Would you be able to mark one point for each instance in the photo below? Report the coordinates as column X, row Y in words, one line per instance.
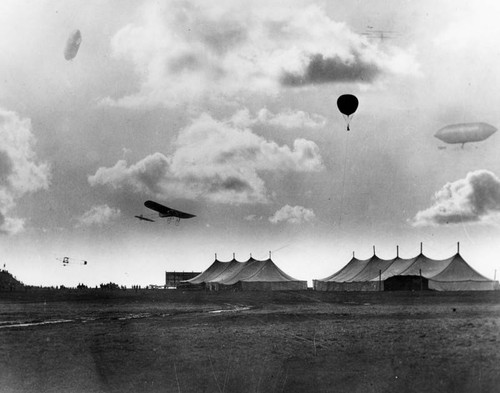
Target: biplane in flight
column 165, row 212
column 381, row 35
column 67, row 261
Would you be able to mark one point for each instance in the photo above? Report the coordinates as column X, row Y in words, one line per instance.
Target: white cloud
column 472, row 26
column 11, row 225
column 147, row 175
column 454, row 76
column 99, row 215
column 286, row 119
column 213, row 160
column 185, row 50
column 473, row 199
column 292, row 215
column 19, row 172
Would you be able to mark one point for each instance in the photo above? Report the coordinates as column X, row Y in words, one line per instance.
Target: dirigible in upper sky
column 72, row 45
column 465, row 132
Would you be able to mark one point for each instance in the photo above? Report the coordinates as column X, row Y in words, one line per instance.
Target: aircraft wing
column 165, row 211
column 142, row 218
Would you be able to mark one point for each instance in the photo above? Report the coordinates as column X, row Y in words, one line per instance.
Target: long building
column 172, row 279
column 418, row 273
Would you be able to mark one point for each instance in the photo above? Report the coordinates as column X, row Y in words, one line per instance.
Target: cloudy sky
column 227, row 110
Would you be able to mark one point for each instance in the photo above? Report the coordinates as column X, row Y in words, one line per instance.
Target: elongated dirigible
column 72, row 45
column 465, row 133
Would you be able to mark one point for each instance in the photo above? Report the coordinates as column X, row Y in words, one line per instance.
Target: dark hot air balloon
column 465, row 132
column 72, row 45
column 347, row 104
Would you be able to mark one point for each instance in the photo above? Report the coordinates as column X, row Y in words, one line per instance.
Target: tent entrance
column 406, row 283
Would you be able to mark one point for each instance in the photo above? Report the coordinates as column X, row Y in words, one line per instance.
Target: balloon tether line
column 343, row 182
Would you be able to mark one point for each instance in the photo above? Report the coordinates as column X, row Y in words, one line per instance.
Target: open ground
column 305, row 341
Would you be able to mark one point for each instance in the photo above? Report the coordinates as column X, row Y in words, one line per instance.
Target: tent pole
column 458, row 247
column 373, row 250
column 397, row 251
column 421, row 247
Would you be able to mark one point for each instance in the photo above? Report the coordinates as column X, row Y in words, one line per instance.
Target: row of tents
column 250, row 275
column 372, row 274
column 417, row 273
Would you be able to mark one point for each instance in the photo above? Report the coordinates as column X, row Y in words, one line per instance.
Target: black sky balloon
column 347, row 104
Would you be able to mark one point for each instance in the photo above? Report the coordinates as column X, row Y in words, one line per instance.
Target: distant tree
column 110, row 286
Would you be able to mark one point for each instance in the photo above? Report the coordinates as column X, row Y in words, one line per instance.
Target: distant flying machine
column 379, row 34
column 71, row 261
column 170, row 214
column 142, row 218
column 72, row 45
column 347, row 104
column 465, row 133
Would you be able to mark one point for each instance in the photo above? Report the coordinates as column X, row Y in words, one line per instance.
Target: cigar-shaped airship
column 465, row 133
column 72, row 45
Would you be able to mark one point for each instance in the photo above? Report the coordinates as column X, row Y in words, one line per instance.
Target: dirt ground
column 174, row 341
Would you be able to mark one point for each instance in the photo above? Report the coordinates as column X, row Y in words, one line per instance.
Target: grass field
column 173, row 341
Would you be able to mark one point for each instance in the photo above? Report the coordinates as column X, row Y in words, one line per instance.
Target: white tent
column 420, row 272
column 252, row 274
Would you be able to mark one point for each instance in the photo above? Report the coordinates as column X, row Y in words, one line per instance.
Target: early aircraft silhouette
column 170, row 214
column 382, row 35
column 142, row 218
column 71, row 261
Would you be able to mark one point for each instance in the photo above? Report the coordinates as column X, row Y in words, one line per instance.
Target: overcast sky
column 227, row 110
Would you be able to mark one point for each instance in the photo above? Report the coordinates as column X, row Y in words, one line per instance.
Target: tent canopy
column 452, row 273
column 252, row 274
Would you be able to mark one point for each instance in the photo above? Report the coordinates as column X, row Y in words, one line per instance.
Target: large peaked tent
column 252, row 274
column 374, row 274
